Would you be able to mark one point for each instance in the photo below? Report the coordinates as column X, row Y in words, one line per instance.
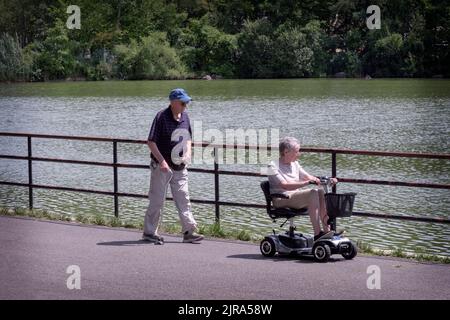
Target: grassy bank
column 213, row 231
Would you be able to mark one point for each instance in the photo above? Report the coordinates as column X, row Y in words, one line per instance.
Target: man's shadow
column 131, row 243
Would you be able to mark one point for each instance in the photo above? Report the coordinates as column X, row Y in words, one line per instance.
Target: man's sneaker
column 152, row 237
column 324, row 235
column 192, row 237
column 339, row 233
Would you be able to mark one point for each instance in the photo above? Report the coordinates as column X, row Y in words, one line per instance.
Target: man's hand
column 333, row 181
column 186, row 159
column 155, row 151
column 164, row 166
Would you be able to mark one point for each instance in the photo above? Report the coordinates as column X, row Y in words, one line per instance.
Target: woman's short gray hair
column 288, row 144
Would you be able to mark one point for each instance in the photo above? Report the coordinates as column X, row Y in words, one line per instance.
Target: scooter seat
column 276, row 213
column 287, row 213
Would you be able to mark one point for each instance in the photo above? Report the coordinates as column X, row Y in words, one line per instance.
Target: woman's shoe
column 320, row 234
column 324, row 235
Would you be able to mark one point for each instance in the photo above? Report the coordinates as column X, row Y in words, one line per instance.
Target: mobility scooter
column 293, row 243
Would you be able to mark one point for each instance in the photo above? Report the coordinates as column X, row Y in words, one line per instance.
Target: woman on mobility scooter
column 287, row 177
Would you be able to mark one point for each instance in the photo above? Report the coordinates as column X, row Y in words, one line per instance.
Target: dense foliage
column 175, row 39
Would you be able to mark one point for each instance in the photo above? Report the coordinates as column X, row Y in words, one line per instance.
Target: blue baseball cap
column 179, row 94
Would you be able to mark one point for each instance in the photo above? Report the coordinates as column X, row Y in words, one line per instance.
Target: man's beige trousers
column 159, row 182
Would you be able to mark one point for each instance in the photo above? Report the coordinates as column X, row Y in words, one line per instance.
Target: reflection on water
column 355, row 116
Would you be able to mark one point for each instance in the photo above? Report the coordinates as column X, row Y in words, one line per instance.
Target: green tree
column 55, row 57
column 286, row 52
column 205, row 49
column 243, row 38
column 152, row 58
column 255, row 50
column 230, row 15
column 28, row 20
column 316, row 40
column 437, row 38
column 14, row 63
column 388, row 52
column 292, row 56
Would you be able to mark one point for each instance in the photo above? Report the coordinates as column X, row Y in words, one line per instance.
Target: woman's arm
column 293, row 185
column 305, row 176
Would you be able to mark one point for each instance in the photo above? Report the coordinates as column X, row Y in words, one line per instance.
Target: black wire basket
column 340, row 204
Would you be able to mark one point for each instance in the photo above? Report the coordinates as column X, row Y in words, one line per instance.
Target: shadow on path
column 277, row 258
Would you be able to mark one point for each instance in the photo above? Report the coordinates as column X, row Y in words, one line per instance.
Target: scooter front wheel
column 267, row 247
column 351, row 252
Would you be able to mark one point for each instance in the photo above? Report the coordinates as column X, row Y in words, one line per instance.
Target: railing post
column 30, row 174
column 333, row 168
column 216, row 184
column 333, row 221
column 116, row 183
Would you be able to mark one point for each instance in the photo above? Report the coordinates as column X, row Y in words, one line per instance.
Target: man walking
column 169, row 141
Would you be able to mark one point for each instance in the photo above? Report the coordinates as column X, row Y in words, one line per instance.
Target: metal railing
column 216, row 172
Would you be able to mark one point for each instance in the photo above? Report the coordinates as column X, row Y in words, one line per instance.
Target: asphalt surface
column 114, row 264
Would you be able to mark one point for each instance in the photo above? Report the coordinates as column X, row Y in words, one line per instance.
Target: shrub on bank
column 151, row 58
column 54, row 56
column 15, row 64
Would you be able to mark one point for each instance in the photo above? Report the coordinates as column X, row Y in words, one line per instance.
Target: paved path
column 34, row 256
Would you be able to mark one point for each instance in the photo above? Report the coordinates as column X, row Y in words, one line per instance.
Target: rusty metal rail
column 216, row 171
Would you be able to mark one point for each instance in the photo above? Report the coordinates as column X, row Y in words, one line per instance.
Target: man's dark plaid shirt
column 161, row 132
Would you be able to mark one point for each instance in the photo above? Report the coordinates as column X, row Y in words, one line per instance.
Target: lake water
column 389, row 115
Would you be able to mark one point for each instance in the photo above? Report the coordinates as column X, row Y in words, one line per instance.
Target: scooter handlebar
column 323, row 180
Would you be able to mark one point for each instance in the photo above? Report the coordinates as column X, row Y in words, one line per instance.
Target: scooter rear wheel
column 267, row 247
column 322, row 252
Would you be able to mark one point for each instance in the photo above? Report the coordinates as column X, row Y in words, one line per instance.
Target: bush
column 292, row 57
column 114, row 222
column 205, row 49
column 388, row 53
column 353, row 67
column 54, row 56
column 5, row 211
column 102, row 71
column 20, row 211
column 129, row 224
column 14, row 64
column 153, row 58
column 285, row 52
column 255, row 49
column 316, row 40
column 347, row 62
column 82, row 218
column 98, row 220
column 244, row 235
